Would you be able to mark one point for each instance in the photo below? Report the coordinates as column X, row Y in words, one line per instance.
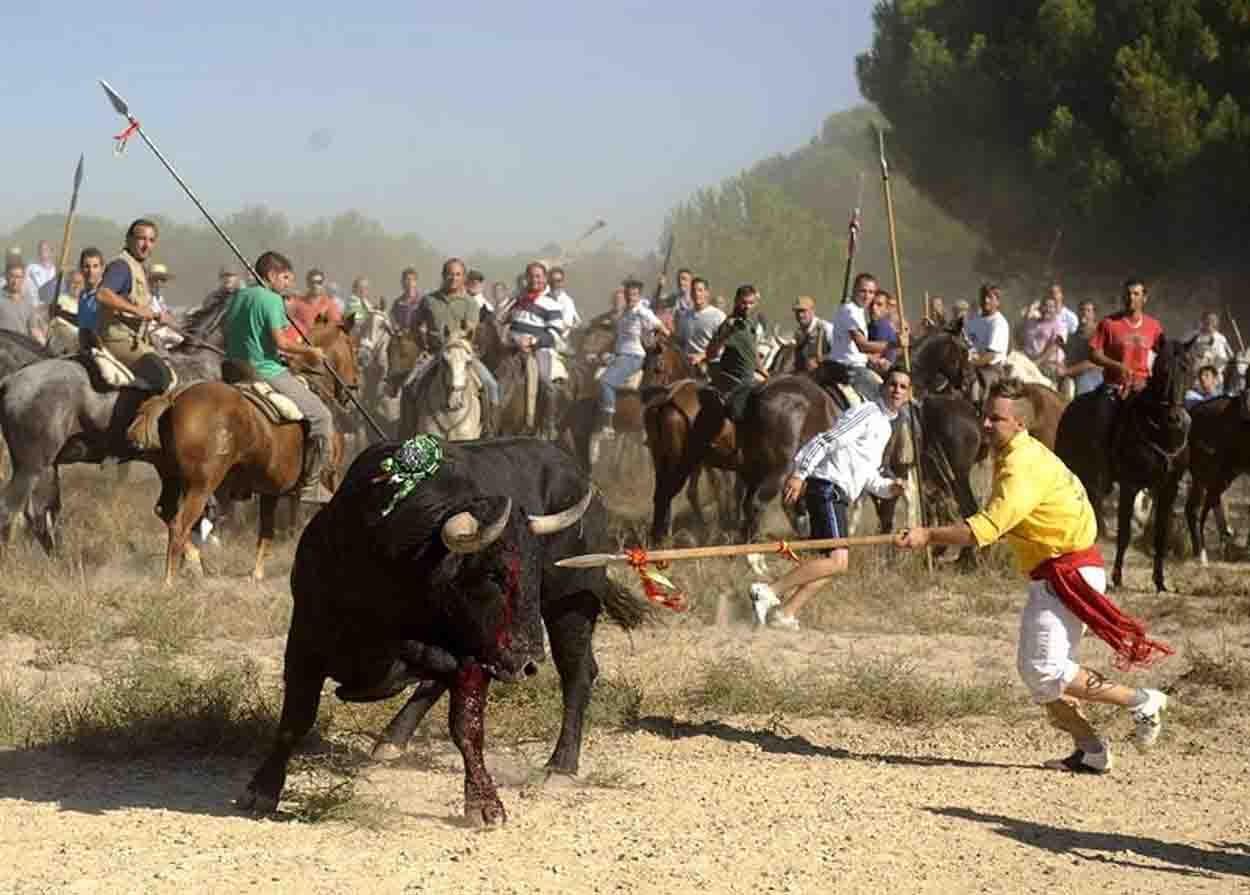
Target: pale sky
column 489, row 125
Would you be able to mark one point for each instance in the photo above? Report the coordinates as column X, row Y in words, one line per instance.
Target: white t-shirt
column 37, row 277
column 700, row 326
column 629, row 330
column 571, row 317
column 850, row 318
column 1071, row 323
column 989, row 334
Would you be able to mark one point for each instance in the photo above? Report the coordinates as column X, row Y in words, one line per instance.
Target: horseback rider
column 813, row 337
column 91, row 263
column 452, row 311
column 630, row 354
column 694, row 331
column 851, row 346
column 1124, row 346
column 125, row 307
column 990, row 335
column 535, row 323
column 734, row 347
column 257, row 335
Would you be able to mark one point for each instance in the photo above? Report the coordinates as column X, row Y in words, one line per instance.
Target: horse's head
column 1235, row 372
column 454, row 362
column 335, row 340
column 940, row 363
column 664, row 363
column 1169, row 376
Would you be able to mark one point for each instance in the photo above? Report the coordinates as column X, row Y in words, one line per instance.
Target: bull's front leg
column 304, row 679
column 467, row 723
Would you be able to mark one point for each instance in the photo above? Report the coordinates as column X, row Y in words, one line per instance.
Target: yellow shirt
column 1037, row 504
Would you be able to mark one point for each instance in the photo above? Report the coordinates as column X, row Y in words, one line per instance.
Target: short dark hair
column 556, row 270
column 696, row 281
column 987, row 289
column 743, row 291
column 449, row 262
column 689, row 271
column 89, row 252
column 860, row 277
column 1135, row 281
column 1205, row 367
column 272, row 262
column 475, row 276
column 314, row 272
column 897, row 368
column 141, row 222
column 406, row 271
column 631, row 283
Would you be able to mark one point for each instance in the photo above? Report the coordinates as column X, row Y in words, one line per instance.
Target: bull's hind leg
column 467, row 723
column 395, row 738
column 571, row 626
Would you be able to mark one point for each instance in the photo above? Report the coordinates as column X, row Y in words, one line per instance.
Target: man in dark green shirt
column 257, row 334
column 735, row 342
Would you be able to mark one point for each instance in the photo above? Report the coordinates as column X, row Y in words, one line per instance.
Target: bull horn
column 463, row 533
column 549, row 525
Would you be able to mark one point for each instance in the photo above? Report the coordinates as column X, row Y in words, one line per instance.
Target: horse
column 687, row 428
column 371, row 336
column 1217, row 453
column 214, row 440
column 444, row 399
column 1146, row 449
column 55, row 411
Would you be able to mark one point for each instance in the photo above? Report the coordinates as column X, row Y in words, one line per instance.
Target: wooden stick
column 592, row 560
column 1228, row 312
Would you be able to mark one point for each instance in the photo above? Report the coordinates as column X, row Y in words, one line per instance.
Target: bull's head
column 466, row 533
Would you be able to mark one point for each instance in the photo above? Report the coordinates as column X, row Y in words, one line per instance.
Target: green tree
column 1121, row 123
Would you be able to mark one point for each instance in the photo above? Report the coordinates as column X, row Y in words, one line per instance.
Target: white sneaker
column 783, row 621
column 763, row 600
column 1082, row 762
column 1148, row 720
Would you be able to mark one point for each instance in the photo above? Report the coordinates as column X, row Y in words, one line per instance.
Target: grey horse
column 51, row 413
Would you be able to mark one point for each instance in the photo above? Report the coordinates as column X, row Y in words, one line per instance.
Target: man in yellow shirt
column 1042, row 511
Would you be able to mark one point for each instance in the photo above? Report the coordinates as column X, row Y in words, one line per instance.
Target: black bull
column 454, row 579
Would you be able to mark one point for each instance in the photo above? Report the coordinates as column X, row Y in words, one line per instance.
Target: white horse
column 443, row 399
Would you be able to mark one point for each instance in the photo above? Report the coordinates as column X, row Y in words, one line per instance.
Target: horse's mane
column 203, row 321
column 12, row 339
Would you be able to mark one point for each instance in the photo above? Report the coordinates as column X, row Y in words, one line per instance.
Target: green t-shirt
column 254, row 313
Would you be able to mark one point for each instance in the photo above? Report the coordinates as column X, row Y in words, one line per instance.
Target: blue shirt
column 883, row 331
column 117, row 277
column 88, row 307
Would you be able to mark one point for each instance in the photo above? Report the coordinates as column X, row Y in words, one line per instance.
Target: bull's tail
column 626, row 608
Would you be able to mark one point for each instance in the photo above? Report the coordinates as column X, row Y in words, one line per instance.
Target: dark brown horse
column 213, row 439
column 687, row 428
column 1147, row 447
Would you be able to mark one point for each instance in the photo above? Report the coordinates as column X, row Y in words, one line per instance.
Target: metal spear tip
column 78, row 174
column 118, row 103
column 589, row 560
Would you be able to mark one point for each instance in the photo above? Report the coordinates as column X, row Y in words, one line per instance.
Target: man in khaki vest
column 126, row 310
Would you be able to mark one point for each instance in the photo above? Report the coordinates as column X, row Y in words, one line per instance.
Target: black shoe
column 1081, row 762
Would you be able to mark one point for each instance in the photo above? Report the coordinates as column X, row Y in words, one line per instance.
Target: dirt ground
column 684, row 801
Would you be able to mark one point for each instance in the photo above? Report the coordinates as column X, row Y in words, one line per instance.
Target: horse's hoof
column 385, row 751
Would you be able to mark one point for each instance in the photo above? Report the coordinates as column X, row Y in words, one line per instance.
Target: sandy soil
column 700, row 803
column 711, row 804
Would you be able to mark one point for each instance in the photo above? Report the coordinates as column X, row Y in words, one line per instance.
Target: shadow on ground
column 777, row 744
column 1110, row 848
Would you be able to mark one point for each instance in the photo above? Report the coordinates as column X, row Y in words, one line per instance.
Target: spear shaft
column 69, row 227
column 123, row 109
column 593, row 560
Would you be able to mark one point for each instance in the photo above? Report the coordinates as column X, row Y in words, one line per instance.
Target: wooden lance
column 121, row 107
column 916, row 508
column 69, row 229
column 594, row 560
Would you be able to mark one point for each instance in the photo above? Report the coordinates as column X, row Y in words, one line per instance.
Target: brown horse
column 213, row 439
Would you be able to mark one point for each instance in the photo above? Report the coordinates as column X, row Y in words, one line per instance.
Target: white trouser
column 1049, row 637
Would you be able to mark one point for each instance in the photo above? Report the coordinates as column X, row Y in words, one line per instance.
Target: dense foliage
column 1123, row 124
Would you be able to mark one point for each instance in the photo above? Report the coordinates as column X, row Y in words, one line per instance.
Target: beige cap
column 160, row 270
column 805, row 303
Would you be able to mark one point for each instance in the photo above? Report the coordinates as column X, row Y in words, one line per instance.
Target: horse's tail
column 144, row 433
